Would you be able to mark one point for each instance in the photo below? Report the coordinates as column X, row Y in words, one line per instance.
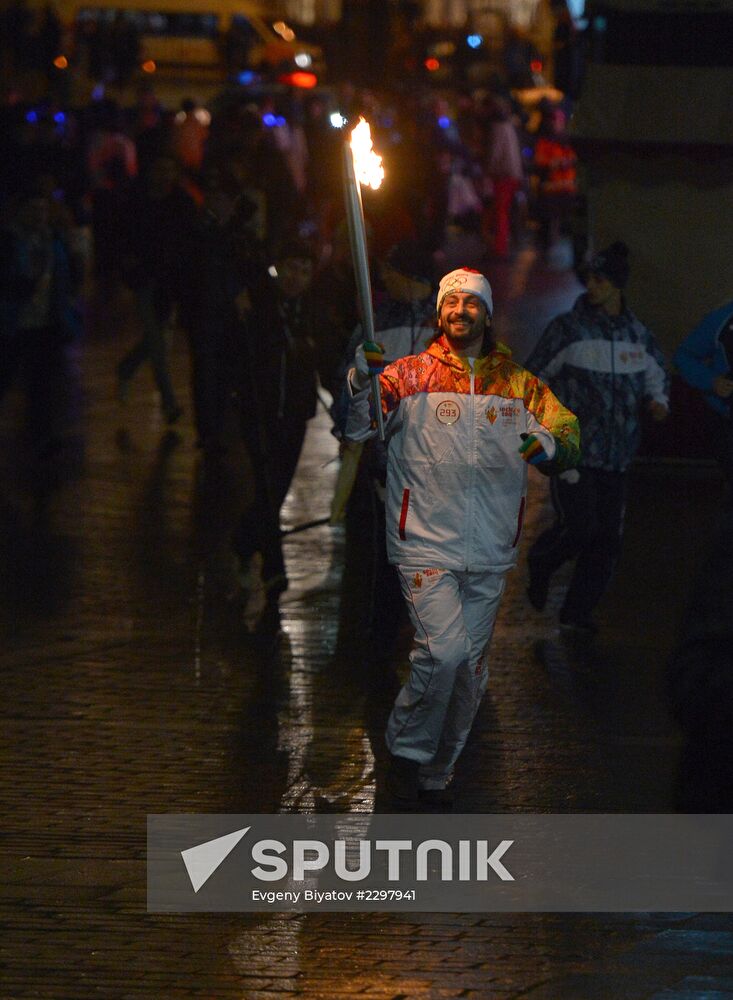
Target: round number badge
column 448, row 412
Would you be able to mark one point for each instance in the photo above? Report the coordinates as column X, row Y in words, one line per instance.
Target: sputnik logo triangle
column 202, row 861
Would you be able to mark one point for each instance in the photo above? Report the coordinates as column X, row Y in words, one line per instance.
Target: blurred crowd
column 147, row 197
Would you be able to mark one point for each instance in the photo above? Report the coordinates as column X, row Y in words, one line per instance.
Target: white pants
column 453, row 614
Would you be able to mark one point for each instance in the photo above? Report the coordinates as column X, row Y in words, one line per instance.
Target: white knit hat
column 465, row 279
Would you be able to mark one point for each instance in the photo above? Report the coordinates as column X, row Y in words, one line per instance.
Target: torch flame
column 367, row 164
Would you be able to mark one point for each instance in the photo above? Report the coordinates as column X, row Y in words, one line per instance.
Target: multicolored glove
column 374, row 354
column 531, row 450
column 368, row 361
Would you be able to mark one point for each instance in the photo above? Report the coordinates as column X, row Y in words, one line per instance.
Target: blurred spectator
column 554, row 163
column 190, row 132
column 39, row 315
column 228, row 260
column 111, row 153
column 158, row 253
column 503, row 166
column 239, row 136
column 463, row 197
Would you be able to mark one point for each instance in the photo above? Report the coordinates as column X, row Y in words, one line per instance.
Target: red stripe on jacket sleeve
column 403, row 512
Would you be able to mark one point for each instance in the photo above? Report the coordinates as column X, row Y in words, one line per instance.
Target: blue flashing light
column 269, row 120
column 474, row 41
column 246, row 77
column 59, row 118
column 32, row 117
column 280, row 121
column 444, row 122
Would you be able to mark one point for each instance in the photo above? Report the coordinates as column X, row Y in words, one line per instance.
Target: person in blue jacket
column 704, row 359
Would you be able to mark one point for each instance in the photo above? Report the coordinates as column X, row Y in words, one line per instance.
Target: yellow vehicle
column 203, row 39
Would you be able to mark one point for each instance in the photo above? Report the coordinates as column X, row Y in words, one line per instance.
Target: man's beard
column 463, row 338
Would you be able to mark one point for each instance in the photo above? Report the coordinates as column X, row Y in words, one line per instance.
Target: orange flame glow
column 367, row 164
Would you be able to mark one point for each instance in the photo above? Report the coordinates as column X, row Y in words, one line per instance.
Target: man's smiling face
column 463, row 321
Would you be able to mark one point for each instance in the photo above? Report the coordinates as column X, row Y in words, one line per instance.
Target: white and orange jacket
column 456, row 483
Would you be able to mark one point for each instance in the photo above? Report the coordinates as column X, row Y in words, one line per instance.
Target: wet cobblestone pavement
column 130, row 687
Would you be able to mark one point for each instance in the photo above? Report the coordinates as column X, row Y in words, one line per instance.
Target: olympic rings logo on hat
column 457, row 281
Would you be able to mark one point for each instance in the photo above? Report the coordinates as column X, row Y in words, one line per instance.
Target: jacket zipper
column 471, row 467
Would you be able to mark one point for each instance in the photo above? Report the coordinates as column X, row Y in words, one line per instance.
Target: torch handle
column 377, row 397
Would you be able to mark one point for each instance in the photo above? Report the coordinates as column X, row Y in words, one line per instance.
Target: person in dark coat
column 159, row 252
column 277, row 390
column 228, row 259
column 39, row 318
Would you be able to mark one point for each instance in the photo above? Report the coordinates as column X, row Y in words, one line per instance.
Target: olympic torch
column 362, row 166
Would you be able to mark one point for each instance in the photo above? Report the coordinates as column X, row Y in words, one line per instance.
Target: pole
column 360, row 257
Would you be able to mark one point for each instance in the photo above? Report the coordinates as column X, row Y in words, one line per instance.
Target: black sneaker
column 401, row 782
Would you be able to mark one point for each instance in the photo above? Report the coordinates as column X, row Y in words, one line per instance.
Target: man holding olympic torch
column 462, row 422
